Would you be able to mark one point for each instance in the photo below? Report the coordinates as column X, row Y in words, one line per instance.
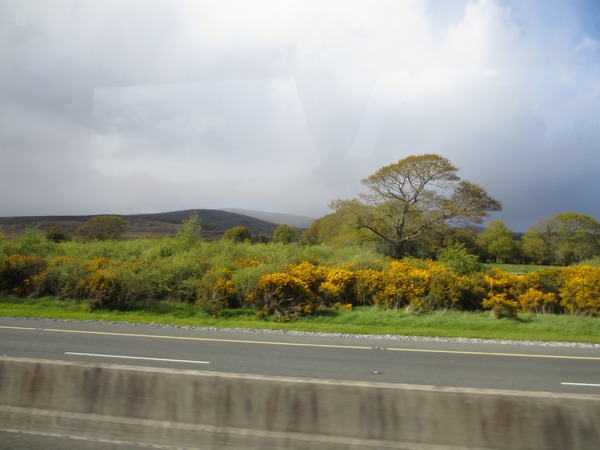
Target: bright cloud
column 127, row 106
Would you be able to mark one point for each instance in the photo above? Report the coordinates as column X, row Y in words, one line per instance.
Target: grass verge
column 363, row 320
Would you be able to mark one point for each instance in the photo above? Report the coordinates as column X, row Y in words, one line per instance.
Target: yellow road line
column 185, row 338
column 522, row 355
column 295, row 344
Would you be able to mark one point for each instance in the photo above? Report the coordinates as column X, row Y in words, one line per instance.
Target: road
column 471, row 364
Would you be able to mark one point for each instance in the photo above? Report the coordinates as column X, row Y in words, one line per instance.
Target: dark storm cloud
column 131, row 106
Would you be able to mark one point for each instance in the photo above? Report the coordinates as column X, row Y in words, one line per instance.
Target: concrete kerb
column 195, row 409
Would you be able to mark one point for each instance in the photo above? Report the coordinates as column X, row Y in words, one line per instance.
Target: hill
column 214, row 223
column 278, row 218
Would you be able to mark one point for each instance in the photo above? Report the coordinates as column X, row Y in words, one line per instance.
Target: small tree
column 238, row 234
column 457, row 258
column 102, row 228
column 497, row 242
column 56, row 234
column 190, row 231
column 34, row 242
column 285, row 234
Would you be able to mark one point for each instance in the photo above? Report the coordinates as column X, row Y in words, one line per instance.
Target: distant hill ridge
column 214, row 222
column 278, row 218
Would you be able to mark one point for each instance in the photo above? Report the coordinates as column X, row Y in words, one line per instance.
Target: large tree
column 413, row 198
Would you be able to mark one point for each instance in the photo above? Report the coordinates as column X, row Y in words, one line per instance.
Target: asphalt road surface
column 433, row 362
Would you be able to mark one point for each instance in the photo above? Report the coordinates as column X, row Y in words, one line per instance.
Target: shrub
column 367, row 283
column 282, row 295
column 18, row 272
column 504, row 293
column 501, row 306
column 285, row 234
column 458, row 259
column 238, row 234
column 66, row 277
column 310, row 273
column 175, row 278
column 34, row 242
column 215, row 291
column 444, row 290
column 580, row 290
column 246, row 278
column 534, row 300
column 105, row 290
column 403, row 284
column 114, row 285
column 102, row 228
column 338, row 287
column 56, row 234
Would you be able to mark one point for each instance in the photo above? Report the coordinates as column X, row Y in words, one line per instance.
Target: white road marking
column 565, row 383
column 138, row 357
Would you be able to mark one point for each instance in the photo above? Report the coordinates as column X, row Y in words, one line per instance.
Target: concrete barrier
column 210, row 410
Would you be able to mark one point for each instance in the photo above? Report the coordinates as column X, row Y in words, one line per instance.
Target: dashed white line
column 565, row 383
column 138, row 357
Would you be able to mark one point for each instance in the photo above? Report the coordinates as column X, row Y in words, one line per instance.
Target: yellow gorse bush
column 504, row 293
column 534, row 300
column 402, row 284
column 337, row 286
column 282, row 295
column 580, row 290
column 310, row 273
column 367, row 283
column 216, row 290
column 18, row 272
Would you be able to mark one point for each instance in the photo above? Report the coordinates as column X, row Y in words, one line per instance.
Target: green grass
column 363, row 320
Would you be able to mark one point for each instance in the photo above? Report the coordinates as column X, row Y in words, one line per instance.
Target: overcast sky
column 131, row 106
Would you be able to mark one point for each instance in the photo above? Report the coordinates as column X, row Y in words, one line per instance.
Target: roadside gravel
column 394, row 337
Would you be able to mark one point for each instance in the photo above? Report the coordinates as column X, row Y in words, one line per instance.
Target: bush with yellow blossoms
column 216, row 290
column 402, row 285
column 282, row 295
column 337, row 287
column 504, row 293
column 18, row 272
column 580, row 290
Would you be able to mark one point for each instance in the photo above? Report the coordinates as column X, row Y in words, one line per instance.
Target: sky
column 142, row 106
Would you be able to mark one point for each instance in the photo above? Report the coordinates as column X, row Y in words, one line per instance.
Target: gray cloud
column 134, row 106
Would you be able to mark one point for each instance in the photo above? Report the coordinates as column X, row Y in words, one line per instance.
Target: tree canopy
column 238, row 234
column 497, row 242
column 566, row 238
column 414, row 197
column 102, row 228
column 286, row 234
